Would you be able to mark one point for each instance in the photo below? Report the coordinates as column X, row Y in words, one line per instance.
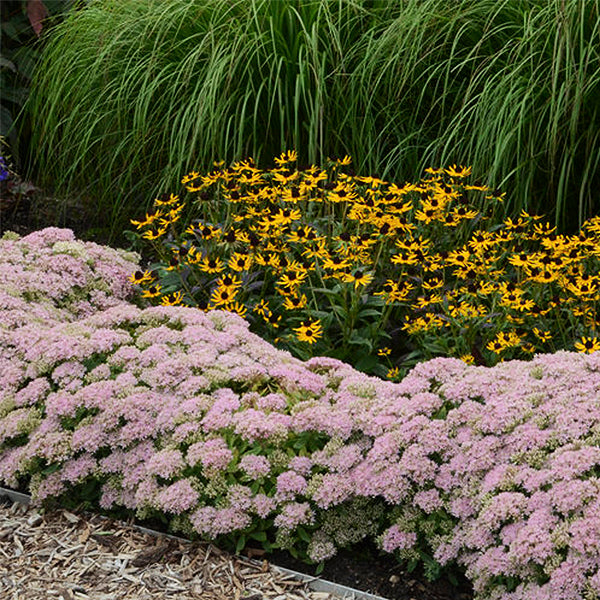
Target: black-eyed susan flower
column 230, row 282
column 464, row 213
column 222, row 296
column 152, row 292
column 393, row 373
column 496, row 346
column 192, row 182
column 295, row 302
column 150, row 218
column 588, row 345
column 432, row 283
column 203, row 232
column 167, row 199
column 211, row 265
column 292, row 277
column 239, row 262
column 141, row 277
column 384, row 351
column 455, row 171
column 317, row 249
column 458, row 257
column 543, row 229
column 286, row 157
column 342, row 193
column 262, row 308
column 174, row 299
column 154, row 235
column 309, row 331
column 335, row 263
column 584, row 287
column 358, row 278
column 346, row 160
column 528, row 348
column 272, row 319
column 237, row 308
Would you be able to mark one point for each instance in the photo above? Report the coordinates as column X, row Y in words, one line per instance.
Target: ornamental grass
column 509, row 86
column 188, row 417
column 321, row 261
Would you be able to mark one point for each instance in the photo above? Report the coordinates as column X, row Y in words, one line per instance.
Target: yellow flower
column 237, row 308
column 286, row 157
column 588, row 345
column 309, row 331
column 240, row 262
column 292, row 278
column 384, row 351
column 285, row 216
column 455, row 171
column 528, row 347
column 211, row 265
column 172, row 299
column 148, row 221
column 168, row 201
column 496, row 346
column 317, row 250
column 229, row 282
column 222, row 296
column 152, row 292
column 468, row 358
column 358, row 278
column 154, row 235
column 464, row 213
column 335, row 263
column 458, row 257
column 583, row 286
column 432, row 284
column 139, row 278
column 343, row 161
column 393, row 373
column 294, row 303
column 205, row 232
column 272, row 319
column 342, row 193
column 262, row 308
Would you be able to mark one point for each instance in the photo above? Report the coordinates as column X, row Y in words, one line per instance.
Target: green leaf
column 369, row 312
column 303, row 534
column 259, row 536
column 239, row 545
column 366, row 363
column 334, row 292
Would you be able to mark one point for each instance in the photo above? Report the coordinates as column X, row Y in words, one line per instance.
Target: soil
column 362, row 568
column 365, row 568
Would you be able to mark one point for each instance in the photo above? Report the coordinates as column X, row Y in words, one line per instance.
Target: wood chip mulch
column 63, row 556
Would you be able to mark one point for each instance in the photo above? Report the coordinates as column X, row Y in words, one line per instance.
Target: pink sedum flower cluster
column 188, row 413
column 49, row 276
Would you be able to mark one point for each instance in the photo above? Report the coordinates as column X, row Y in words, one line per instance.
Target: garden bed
column 354, row 575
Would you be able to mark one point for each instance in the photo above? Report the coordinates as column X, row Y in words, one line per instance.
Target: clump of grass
column 323, row 262
column 156, row 88
column 131, row 94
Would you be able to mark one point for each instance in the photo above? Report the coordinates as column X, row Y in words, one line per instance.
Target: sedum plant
column 324, row 261
column 49, row 277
